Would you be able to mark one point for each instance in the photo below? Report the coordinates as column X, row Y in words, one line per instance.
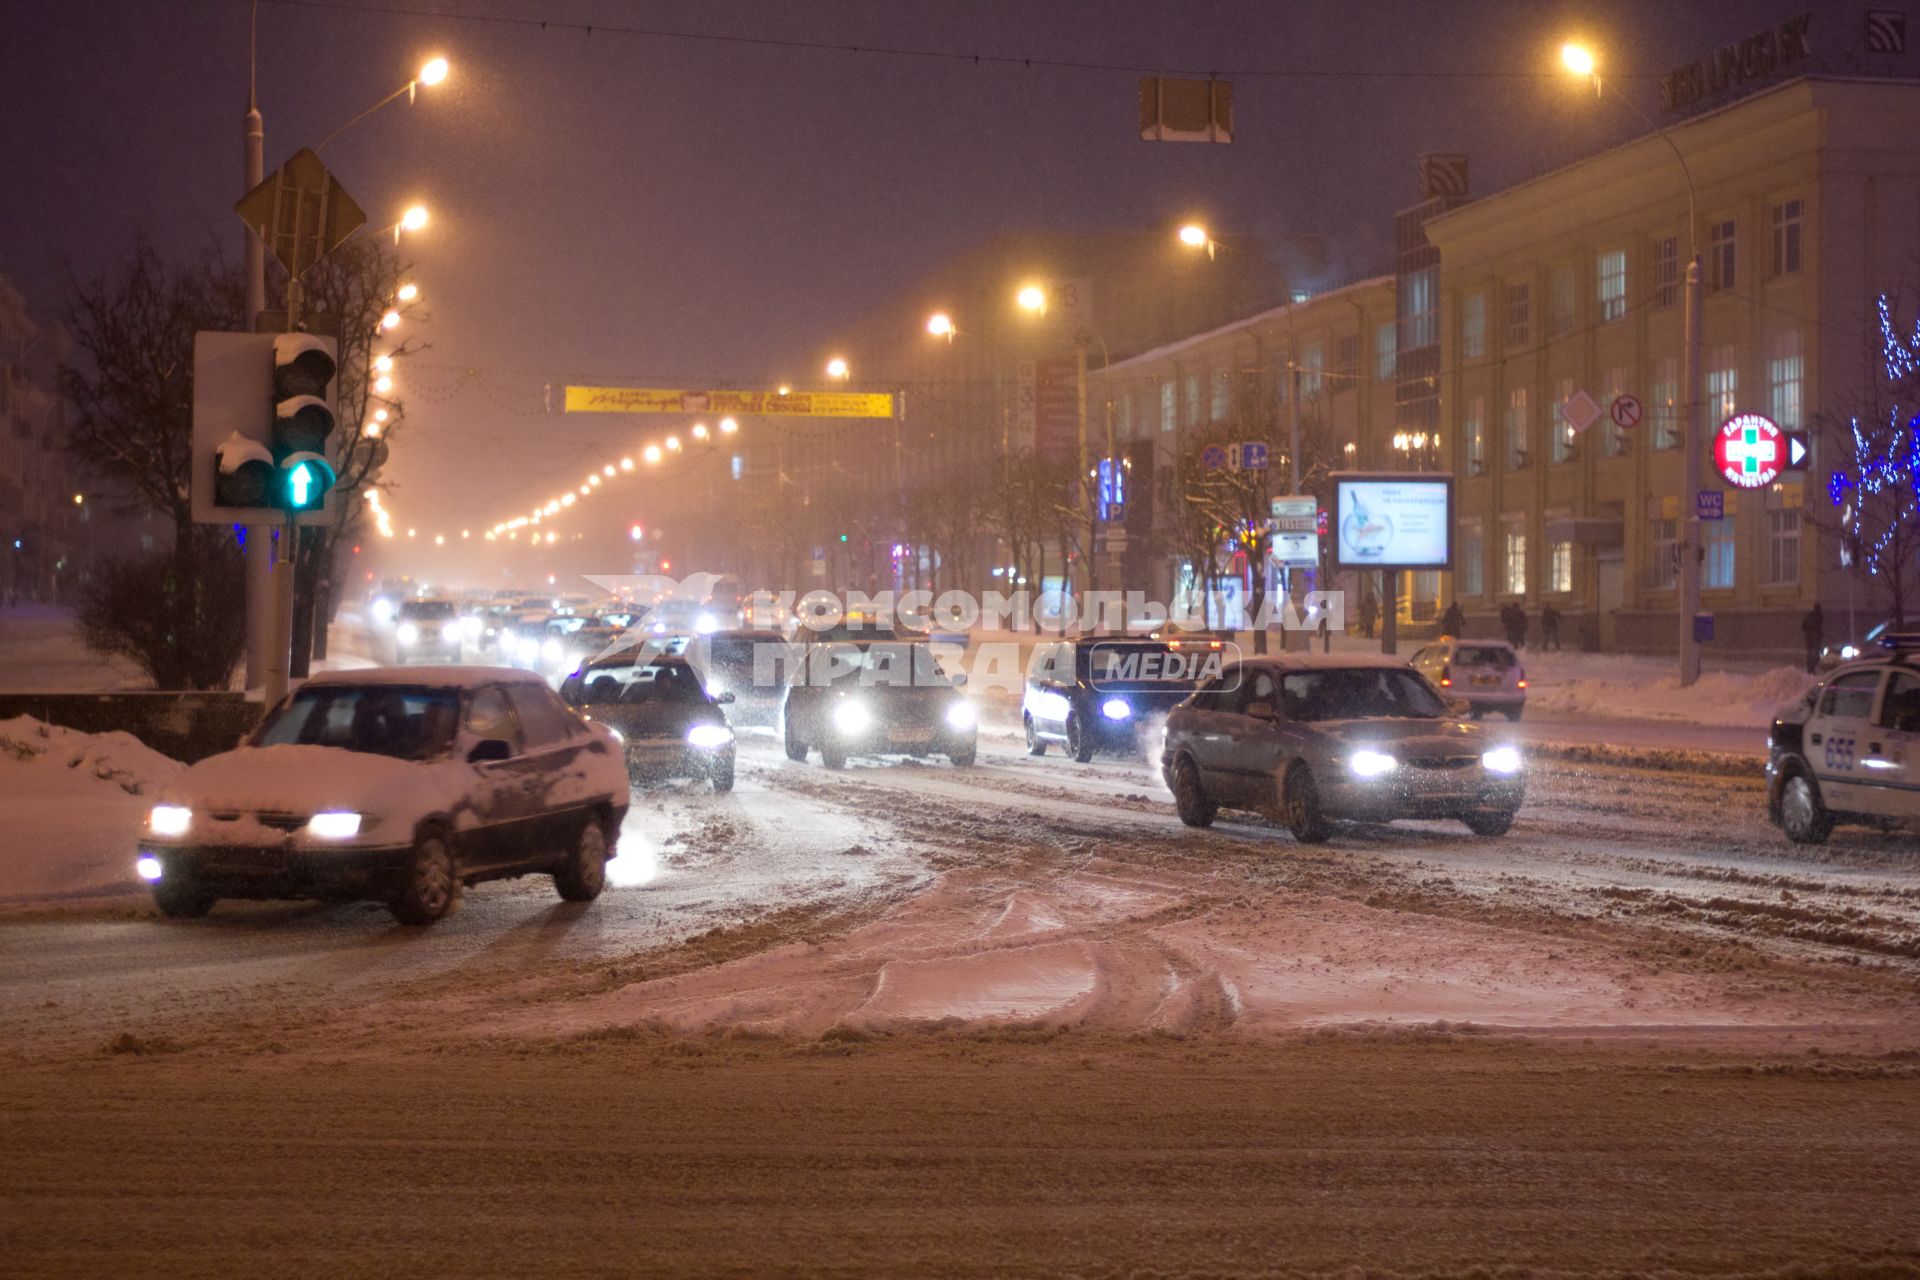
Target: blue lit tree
column 1875, row 491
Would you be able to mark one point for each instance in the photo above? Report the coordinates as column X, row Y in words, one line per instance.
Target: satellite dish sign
column 1750, row 451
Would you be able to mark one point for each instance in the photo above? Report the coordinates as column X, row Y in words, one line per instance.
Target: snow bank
column 40, row 652
column 1622, row 687
column 72, row 805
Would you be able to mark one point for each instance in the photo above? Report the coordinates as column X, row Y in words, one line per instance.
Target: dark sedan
column 670, row 726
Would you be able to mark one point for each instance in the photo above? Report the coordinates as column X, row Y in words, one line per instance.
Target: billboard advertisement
column 1392, row 520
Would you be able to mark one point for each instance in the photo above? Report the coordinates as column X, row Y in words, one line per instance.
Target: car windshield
column 427, row 610
column 1484, row 655
column 382, row 720
column 893, row 664
column 1358, row 693
column 660, row 682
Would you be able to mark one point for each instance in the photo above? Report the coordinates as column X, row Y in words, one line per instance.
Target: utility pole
column 264, row 671
column 1080, row 489
column 1691, row 442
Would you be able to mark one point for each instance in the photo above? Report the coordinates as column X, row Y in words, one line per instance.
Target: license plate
column 1486, row 679
column 913, row 737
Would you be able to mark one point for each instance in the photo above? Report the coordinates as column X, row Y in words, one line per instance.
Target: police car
column 1850, row 750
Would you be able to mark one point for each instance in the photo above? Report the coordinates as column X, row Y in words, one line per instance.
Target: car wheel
column 1802, row 816
column 1301, row 807
column 1036, row 745
column 833, row 755
column 1513, row 713
column 181, row 899
column 721, row 774
column 432, row 886
column 1475, row 713
column 584, row 874
column 1488, row 823
column 796, row 746
column 965, row 756
column 1189, row 798
column 1079, row 744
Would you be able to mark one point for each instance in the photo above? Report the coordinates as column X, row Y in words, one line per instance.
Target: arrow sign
column 1799, row 451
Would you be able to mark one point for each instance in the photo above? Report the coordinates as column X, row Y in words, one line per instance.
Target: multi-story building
column 45, row 514
column 1805, row 197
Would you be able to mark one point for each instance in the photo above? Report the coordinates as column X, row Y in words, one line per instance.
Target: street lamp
column 837, row 369
column 433, row 71
column 408, row 292
column 1032, row 298
column 940, row 325
column 728, row 426
column 1580, row 61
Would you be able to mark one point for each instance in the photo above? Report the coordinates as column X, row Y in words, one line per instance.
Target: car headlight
column 148, row 868
column 709, row 737
column 1501, row 760
column 383, row 610
column 528, row 650
column 551, row 650
column 1371, row 764
column 471, row 626
column 334, row 825
column 852, row 717
column 961, row 715
column 1116, row 709
column 706, row 624
column 1848, row 651
column 407, row 634
column 450, row 631
column 169, row 820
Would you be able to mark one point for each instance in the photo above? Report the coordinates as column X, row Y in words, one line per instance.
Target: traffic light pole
column 259, row 552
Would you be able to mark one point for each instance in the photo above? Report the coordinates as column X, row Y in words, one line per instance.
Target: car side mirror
column 490, row 750
column 724, row 697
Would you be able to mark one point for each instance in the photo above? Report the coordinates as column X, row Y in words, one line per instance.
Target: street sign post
column 1247, row 455
column 1296, row 532
column 1213, row 457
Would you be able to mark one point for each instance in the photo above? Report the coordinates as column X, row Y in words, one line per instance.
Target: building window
column 1169, row 406
column 1313, row 363
column 1222, row 395
column 1666, row 403
column 1722, row 255
column 1346, row 360
column 1610, row 285
column 1717, row 570
column 1786, row 237
column 1384, row 362
column 1666, row 271
column 1472, row 561
column 1518, row 454
column 1723, row 386
column 1560, row 301
column 1560, row 567
column 1563, row 432
column 1663, row 554
column 1476, row 433
column 1513, row 564
column 1784, row 366
column 1193, row 399
column 1783, row 548
column 1613, row 384
column 1419, row 309
column 1473, row 326
column 1519, row 313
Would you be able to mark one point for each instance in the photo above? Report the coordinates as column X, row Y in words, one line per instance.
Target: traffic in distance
column 508, row 734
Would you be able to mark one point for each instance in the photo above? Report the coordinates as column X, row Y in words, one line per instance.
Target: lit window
column 1666, row 271
column 1514, row 564
column 1783, row 548
column 1563, row 432
column 1476, row 432
column 1663, row 554
column 1169, row 412
column 1614, row 437
column 1313, row 361
column 1383, row 353
column 1418, row 302
column 1518, row 454
column 1784, row 371
column 1560, row 567
column 1472, row 562
column 1665, row 408
column 1519, row 313
column 1723, row 386
column 1610, row 284
column 1718, row 566
column 1222, row 394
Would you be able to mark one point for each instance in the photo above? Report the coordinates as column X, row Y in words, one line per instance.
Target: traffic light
column 303, row 369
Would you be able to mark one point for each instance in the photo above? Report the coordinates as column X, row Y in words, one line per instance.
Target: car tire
column 1803, row 816
column 1079, row 744
column 584, row 874
column 1513, row 713
column 1300, row 807
column 1190, row 798
column 1475, row 713
column 796, row 745
column 833, row 755
column 1494, row 822
column 432, row 886
column 180, row 899
column 965, row 756
column 721, row 774
column 1036, row 745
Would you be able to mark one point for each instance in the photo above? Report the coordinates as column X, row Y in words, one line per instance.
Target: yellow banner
column 794, row 404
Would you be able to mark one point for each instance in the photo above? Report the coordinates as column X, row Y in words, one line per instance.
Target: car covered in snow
column 752, row 665
column 1104, row 693
column 669, row 725
column 1484, row 674
column 876, row 697
column 399, row 785
column 1849, row 751
column 428, row 631
column 1310, row 740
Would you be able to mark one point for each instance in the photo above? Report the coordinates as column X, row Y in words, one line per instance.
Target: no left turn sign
column 1625, row 411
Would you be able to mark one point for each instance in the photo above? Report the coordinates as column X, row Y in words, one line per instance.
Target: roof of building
column 1272, row 315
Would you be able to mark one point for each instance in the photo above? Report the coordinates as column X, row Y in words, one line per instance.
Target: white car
column 399, row 785
column 1484, row 674
column 1849, row 751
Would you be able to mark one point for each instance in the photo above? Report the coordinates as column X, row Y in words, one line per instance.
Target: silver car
column 1312, row 740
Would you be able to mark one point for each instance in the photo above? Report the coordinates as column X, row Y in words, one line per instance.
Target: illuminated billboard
column 1392, row 520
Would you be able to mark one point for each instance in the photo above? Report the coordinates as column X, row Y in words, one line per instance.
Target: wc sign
column 1750, row 450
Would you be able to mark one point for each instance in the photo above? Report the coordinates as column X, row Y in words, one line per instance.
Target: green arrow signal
column 302, row 483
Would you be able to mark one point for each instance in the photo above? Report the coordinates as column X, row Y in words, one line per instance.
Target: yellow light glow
column 785, row 389
column 1194, row 236
column 1032, row 298
column 391, row 320
column 439, row 539
column 383, row 364
column 552, row 537
column 594, row 480
column 836, row 368
column 566, row 499
column 434, row 71
column 79, row 499
column 673, row 443
column 626, row 464
column 414, row 218
column 729, row 426
column 408, row 292
column 411, row 532
column 1577, row 58
column 372, row 431
column 651, row 453
column 940, row 325
column 699, row 431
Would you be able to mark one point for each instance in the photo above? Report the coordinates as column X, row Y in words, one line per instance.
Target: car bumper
column 675, row 759
column 1412, row 795
column 903, row 740
column 284, row 871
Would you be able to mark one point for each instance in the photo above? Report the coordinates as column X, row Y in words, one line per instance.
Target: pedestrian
column 1519, row 625
column 1453, row 622
column 1549, row 628
column 1369, row 614
column 1814, row 628
column 1507, row 628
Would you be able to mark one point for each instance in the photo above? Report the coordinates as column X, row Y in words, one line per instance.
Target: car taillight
column 1446, row 677
column 1523, row 679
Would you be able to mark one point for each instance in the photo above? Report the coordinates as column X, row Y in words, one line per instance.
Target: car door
column 1890, row 757
column 1840, row 728
column 1207, row 723
column 500, row 799
column 553, row 739
column 1254, row 741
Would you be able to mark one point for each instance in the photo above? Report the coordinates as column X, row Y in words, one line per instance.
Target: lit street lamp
column 432, row 72
column 1032, row 298
column 837, row 369
column 940, row 325
column 1579, row 60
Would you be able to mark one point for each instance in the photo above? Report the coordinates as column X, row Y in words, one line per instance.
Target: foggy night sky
column 663, row 211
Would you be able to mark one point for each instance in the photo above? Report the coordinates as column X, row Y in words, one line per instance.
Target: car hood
column 1409, row 735
column 309, row 779
column 655, row 721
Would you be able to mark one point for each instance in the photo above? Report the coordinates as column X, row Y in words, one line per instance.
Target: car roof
column 428, row 677
column 1323, row 661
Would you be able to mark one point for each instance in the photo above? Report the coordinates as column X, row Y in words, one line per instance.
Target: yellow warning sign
column 773, row 404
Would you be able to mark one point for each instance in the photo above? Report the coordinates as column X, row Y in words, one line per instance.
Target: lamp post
column 1032, row 298
column 1581, row 62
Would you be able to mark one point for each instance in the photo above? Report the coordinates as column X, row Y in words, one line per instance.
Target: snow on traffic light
column 263, row 415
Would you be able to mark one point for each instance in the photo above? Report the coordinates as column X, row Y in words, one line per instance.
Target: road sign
column 1625, row 410
column 772, row 404
column 1710, row 504
column 1253, row 455
column 1750, row 450
column 1799, row 450
column 301, row 212
column 1296, row 532
column 1213, row 457
column 1580, row 411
